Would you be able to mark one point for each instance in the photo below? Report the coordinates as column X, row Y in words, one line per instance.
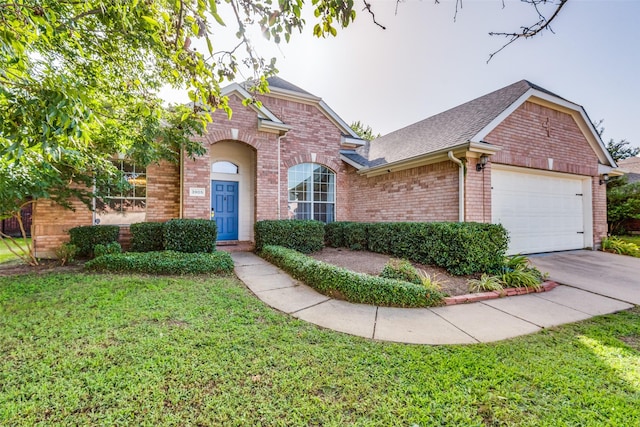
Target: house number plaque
column 196, row 192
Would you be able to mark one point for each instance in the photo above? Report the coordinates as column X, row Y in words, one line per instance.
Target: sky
column 425, row 63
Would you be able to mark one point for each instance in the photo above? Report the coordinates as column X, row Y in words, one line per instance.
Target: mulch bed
column 13, row 268
column 373, row 263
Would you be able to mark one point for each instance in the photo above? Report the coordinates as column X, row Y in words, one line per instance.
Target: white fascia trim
column 483, row 148
column 351, row 141
column 603, row 155
column 478, row 137
column 338, row 121
column 415, row 161
column 434, row 156
column 271, row 126
column 350, row 162
column 242, row 92
column 299, row 96
column 314, row 100
column 602, row 169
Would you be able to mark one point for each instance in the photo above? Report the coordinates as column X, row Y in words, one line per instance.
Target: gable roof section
column 280, row 88
column 266, row 119
column 468, row 124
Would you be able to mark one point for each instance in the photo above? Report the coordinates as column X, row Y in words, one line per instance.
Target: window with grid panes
column 129, row 204
column 312, row 192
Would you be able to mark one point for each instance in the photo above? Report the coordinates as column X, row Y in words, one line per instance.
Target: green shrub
column 147, row 236
column 517, row 272
column 334, row 234
column 190, row 235
column 87, row 237
column 66, row 252
column 305, row 236
column 429, row 282
column 521, row 278
column 401, row 269
column 355, row 287
column 108, row 249
column 355, row 235
column 618, row 246
column 163, row 262
column 460, row 248
column 485, row 283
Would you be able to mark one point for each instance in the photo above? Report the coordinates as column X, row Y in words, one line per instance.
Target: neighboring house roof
column 466, row 125
column 632, row 164
column 633, row 177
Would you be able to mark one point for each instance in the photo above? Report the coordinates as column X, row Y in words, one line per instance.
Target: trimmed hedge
column 164, row 262
column 401, row 269
column 345, row 284
column 459, row 247
column 305, row 236
column 86, row 237
column 147, row 236
column 110, row 248
column 190, row 235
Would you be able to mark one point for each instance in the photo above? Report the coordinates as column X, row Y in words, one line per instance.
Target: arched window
column 224, row 167
column 312, row 192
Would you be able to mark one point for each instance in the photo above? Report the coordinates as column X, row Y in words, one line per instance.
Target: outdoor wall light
column 482, row 162
column 604, row 179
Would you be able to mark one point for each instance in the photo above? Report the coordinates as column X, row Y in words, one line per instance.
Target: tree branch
column 533, row 30
column 367, row 7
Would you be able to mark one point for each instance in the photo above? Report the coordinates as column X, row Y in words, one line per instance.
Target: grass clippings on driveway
column 83, row 349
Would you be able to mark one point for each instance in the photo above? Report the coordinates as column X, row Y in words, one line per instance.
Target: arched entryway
column 233, row 166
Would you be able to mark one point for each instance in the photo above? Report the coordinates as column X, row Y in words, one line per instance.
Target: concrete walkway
column 486, row 321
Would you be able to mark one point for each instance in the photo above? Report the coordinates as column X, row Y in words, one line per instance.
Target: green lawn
column 115, row 350
column 6, row 254
column 631, row 239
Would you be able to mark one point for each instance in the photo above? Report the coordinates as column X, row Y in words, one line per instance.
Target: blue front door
column 224, row 208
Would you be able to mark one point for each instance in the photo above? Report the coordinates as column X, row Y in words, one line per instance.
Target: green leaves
column 623, row 203
column 345, row 284
column 302, row 235
column 164, row 262
column 461, row 248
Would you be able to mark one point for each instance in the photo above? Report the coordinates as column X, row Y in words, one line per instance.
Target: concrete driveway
column 615, row 276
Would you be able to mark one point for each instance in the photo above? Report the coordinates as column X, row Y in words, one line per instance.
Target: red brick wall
column 312, row 139
column 425, row 193
column 477, row 193
column 312, row 133
column 525, row 141
column 51, row 224
column 163, row 192
column 600, row 226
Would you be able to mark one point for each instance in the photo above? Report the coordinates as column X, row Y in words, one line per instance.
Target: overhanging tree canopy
column 79, row 81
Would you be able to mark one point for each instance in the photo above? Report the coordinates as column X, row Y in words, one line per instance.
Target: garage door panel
column 542, row 213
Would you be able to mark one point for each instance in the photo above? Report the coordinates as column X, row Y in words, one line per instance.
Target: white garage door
column 542, row 213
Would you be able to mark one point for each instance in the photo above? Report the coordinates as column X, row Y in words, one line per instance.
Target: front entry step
column 235, row 246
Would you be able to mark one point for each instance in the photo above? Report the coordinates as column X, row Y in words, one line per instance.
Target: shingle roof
column 277, row 82
column 448, row 129
column 632, row 164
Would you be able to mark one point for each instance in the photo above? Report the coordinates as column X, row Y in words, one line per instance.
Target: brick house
column 520, row 156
